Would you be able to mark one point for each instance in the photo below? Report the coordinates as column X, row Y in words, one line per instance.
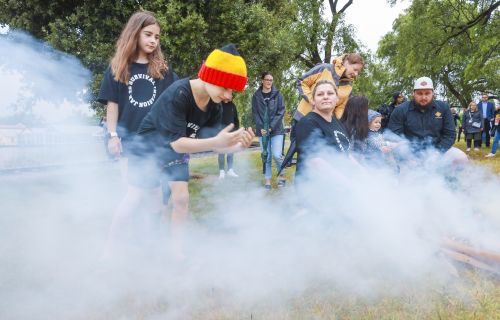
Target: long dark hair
column 355, row 117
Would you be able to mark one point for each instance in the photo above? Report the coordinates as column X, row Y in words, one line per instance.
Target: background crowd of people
column 155, row 120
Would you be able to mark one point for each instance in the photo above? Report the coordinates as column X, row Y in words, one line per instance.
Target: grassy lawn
column 477, row 157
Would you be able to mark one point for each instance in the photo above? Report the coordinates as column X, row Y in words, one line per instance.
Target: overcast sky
column 372, row 18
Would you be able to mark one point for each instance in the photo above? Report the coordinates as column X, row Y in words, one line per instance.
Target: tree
column 89, row 29
column 323, row 32
column 431, row 39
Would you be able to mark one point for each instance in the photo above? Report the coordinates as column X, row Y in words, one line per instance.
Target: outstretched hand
column 227, row 141
column 225, row 138
column 246, row 138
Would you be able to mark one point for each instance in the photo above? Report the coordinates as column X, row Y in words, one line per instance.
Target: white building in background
column 21, row 135
column 9, row 134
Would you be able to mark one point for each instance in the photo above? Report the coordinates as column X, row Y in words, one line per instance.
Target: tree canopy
column 455, row 42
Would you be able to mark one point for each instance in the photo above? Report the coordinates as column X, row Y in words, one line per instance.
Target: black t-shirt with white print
column 314, row 132
column 135, row 98
column 175, row 115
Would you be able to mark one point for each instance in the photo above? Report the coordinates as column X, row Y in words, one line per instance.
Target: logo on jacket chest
column 438, row 115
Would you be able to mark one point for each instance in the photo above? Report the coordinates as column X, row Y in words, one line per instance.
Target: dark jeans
column 230, row 157
column 486, row 131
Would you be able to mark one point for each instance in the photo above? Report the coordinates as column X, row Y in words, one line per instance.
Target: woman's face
column 352, row 70
column 267, row 82
column 325, row 98
column 473, row 106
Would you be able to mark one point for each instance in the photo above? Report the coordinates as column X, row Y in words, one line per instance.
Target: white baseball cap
column 423, row 83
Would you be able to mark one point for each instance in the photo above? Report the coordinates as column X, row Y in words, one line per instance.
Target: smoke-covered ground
column 352, row 231
column 362, row 233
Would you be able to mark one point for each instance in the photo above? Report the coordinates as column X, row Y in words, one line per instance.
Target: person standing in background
column 134, row 80
column 487, row 109
column 268, row 110
column 473, row 126
column 229, row 115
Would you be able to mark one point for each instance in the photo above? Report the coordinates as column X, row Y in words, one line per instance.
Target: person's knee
column 456, row 157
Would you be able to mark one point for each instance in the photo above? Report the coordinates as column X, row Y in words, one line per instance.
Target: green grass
column 477, row 157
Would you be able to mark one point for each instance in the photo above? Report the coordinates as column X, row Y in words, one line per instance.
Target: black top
column 386, row 111
column 135, row 98
column 175, row 115
column 230, row 115
column 314, row 132
column 432, row 126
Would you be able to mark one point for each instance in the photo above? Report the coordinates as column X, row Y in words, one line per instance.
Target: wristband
column 112, row 134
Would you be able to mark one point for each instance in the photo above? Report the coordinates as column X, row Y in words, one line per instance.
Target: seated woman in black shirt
column 320, row 128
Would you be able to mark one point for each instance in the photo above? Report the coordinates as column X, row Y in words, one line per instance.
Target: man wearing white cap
column 424, row 121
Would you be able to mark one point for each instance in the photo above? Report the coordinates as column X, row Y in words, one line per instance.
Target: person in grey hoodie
column 268, row 110
column 473, row 126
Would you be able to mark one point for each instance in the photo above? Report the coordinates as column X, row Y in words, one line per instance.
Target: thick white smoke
column 352, row 230
column 40, row 82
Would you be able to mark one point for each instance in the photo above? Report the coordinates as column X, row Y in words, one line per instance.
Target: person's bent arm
column 306, row 82
column 257, row 117
column 114, row 144
column 224, row 139
column 280, row 113
column 448, row 133
column 396, row 121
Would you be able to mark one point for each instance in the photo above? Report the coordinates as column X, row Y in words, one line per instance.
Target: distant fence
column 42, row 149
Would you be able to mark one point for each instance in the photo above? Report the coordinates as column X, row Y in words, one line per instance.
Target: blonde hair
column 127, row 46
column 324, row 81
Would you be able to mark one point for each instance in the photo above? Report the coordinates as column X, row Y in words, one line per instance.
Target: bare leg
column 136, row 202
column 179, row 216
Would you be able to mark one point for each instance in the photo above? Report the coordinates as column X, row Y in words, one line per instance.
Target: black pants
column 460, row 130
column 486, row 131
column 473, row 136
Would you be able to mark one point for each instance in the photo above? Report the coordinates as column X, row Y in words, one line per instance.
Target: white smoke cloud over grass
column 352, row 230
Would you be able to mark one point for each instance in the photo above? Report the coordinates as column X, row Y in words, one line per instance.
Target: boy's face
column 218, row 94
column 375, row 124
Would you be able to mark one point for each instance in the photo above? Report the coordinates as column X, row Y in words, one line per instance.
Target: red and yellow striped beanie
column 225, row 67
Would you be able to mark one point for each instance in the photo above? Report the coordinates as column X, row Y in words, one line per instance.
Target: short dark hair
column 264, row 74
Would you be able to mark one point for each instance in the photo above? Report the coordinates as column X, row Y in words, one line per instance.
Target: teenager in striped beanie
column 171, row 131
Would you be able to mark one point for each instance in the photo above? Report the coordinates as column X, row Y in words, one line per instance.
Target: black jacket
column 276, row 109
column 386, row 111
column 473, row 121
column 433, row 126
column 230, row 115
